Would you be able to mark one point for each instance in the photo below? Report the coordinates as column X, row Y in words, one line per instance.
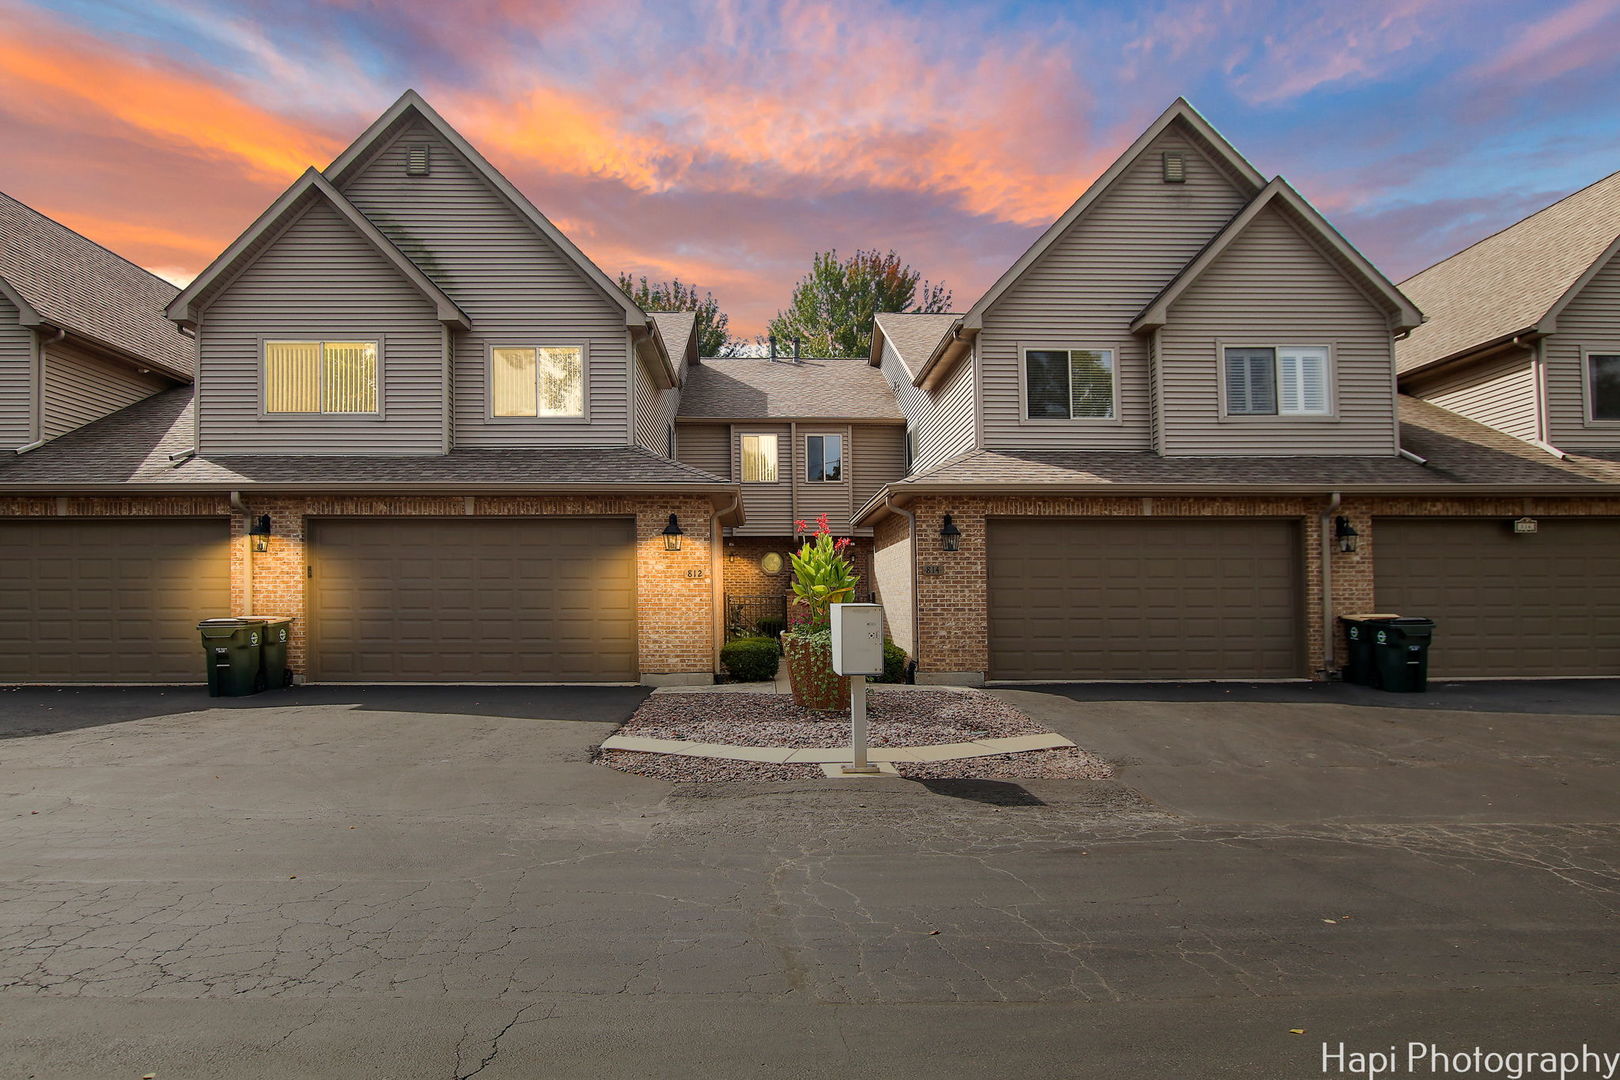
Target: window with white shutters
column 1283, row 380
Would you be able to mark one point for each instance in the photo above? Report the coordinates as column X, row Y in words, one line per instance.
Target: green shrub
column 894, row 664
column 771, row 627
column 750, row 659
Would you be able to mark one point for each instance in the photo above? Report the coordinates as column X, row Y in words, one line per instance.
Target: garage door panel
column 1136, row 599
column 143, row 583
column 1504, row 604
column 511, row 600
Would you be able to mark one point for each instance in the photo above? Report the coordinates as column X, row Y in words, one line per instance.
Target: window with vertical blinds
column 1069, row 384
column 537, row 380
column 320, row 377
column 759, row 459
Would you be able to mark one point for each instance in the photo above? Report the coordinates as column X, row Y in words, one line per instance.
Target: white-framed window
column 1277, row 380
column 1069, row 384
column 320, row 376
column 537, row 381
column 823, row 459
column 1603, row 386
column 911, row 449
column 759, row 459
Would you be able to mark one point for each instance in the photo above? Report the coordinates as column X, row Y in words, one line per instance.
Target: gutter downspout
column 1328, row 643
column 911, row 524
column 247, row 573
column 717, row 574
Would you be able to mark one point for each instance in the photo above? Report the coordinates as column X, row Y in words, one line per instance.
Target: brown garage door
column 134, row 590
column 1545, row 604
column 1135, row 599
column 513, row 600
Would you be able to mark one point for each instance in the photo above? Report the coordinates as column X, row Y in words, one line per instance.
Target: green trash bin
column 1402, row 654
column 1360, row 632
column 231, row 651
column 273, row 650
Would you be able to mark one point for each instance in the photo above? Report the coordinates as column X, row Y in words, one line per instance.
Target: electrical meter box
column 857, row 639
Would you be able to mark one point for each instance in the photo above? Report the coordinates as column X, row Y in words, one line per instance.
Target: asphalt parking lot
column 438, row 882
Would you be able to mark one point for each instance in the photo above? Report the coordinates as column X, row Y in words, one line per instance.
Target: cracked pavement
column 437, row 882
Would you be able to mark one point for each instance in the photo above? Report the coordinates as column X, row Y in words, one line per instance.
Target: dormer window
column 1069, row 384
column 320, row 377
column 1277, row 380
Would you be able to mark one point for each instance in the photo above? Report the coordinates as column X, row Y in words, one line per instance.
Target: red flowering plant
column 822, row 575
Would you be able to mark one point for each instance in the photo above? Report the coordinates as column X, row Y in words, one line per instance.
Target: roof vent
column 416, row 161
column 1175, row 168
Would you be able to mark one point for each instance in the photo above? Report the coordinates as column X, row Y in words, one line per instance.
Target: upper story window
column 320, row 376
column 537, row 380
column 1281, row 380
column 759, row 459
column 1069, row 384
column 911, row 449
column 824, row 458
column 1603, row 386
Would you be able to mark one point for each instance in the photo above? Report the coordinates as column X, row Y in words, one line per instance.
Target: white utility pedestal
column 857, row 651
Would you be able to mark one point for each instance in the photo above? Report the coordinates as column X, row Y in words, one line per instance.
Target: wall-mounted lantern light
column 1525, row 526
column 1346, row 534
column 949, row 535
column 261, row 533
column 673, row 534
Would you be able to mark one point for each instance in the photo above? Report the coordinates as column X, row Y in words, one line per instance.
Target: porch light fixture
column 1345, row 533
column 949, row 535
column 261, row 533
column 673, row 534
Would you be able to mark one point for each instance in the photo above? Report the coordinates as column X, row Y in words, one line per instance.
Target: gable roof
column 1403, row 315
column 309, row 187
column 1512, row 282
column 59, row 278
column 679, row 331
column 411, row 105
column 1180, row 111
column 751, row 388
column 916, row 337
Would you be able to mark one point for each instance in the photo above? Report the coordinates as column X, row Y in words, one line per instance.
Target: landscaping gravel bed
column 896, row 718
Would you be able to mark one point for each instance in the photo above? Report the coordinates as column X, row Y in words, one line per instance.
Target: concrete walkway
column 789, row 755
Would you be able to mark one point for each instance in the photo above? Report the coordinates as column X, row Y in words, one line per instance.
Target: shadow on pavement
column 989, row 792
column 43, row 710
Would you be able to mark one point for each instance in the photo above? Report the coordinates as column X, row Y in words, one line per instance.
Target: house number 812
column 694, row 573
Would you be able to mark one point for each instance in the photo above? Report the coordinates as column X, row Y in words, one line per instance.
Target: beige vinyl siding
column 16, row 379
column 706, row 447
column 1270, row 287
column 1500, row 393
column 1086, row 289
column 81, row 386
column 649, row 412
column 822, row 497
column 768, row 507
column 1590, row 322
column 321, row 280
column 943, row 418
column 515, row 285
column 877, row 457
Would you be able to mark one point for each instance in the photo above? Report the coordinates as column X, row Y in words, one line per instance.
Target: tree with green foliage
column 713, row 337
column 834, row 304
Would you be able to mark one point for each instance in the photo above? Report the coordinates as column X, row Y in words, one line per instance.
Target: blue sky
column 726, row 140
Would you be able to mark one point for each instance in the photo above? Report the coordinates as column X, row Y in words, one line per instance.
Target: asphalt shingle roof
column 675, row 327
column 757, row 389
column 1459, row 451
column 915, row 335
column 1508, row 281
column 80, row 286
column 132, row 446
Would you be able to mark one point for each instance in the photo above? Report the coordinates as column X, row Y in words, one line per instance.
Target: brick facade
column 674, row 609
column 951, row 607
column 744, row 577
